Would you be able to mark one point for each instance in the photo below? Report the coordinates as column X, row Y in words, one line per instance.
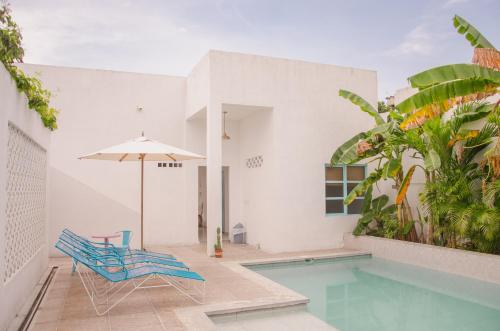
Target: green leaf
column 362, row 187
column 379, row 202
column 390, row 209
column 451, row 72
column 346, row 153
column 367, row 202
column 407, row 228
column 363, row 222
column 396, row 116
column 446, row 91
column 475, row 38
column 432, row 161
column 469, row 112
column 363, row 105
column 367, row 218
column 391, row 168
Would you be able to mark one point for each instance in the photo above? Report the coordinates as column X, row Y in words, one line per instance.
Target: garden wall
column 470, row 264
column 24, row 143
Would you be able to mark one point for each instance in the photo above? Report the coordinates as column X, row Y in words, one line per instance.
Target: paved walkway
column 67, row 307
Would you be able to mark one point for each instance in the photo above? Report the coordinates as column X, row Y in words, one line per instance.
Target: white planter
column 481, row 266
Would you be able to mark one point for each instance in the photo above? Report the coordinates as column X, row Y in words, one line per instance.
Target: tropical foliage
column 11, row 52
column 458, row 154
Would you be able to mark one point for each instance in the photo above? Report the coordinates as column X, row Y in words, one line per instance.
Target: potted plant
column 218, row 246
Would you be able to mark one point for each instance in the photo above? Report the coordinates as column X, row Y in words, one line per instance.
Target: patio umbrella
column 142, row 149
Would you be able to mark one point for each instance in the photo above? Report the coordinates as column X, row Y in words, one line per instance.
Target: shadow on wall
column 75, row 205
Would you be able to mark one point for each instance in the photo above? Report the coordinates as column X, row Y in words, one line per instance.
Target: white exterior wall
column 284, row 201
column 98, row 109
column 287, row 111
column 18, row 288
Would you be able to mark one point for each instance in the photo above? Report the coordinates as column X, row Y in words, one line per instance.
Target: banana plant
column 439, row 86
column 475, row 37
column 377, row 217
column 442, row 88
column 376, row 145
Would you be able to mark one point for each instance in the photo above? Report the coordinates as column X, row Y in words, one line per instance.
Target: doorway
column 202, row 203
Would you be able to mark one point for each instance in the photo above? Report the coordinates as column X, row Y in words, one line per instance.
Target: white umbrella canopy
column 142, row 149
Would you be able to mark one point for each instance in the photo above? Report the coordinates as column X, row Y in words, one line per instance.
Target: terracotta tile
column 151, row 309
column 48, row 326
column 94, row 324
column 118, row 322
column 44, row 314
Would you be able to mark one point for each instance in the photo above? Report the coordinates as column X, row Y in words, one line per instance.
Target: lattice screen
column 26, row 192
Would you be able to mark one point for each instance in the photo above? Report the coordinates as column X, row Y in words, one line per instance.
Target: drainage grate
column 38, row 300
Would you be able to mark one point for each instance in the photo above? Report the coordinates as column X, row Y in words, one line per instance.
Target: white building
column 284, row 118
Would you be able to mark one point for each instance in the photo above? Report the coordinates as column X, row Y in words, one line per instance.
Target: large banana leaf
column 367, row 203
column 363, row 105
column 362, row 187
column 379, row 203
column 445, row 91
column 405, row 185
column 346, row 153
column 469, row 112
column 475, row 38
column 451, row 72
column 432, row 161
column 391, row 168
column 363, row 223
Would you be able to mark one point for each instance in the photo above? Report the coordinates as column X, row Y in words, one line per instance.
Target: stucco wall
column 99, row 109
column 295, row 121
column 308, row 121
column 29, row 261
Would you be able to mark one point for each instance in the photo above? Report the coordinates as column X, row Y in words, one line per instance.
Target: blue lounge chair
column 126, row 237
column 103, row 247
column 112, row 257
column 117, row 276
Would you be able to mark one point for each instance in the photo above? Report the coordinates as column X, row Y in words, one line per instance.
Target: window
column 339, row 181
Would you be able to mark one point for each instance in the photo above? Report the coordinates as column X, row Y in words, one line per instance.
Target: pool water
column 365, row 293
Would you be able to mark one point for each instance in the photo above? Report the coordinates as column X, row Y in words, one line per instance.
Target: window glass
column 355, row 207
column 334, row 190
column 340, row 180
column 355, row 173
column 334, row 207
column 334, row 174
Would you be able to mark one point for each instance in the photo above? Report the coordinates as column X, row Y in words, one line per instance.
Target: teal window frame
column 344, row 183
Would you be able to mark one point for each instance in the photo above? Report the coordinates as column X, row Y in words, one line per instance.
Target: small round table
column 107, row 237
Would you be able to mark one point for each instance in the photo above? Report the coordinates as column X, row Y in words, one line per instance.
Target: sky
column 395, row 38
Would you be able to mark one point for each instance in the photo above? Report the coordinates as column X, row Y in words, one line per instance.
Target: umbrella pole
column 142, row 202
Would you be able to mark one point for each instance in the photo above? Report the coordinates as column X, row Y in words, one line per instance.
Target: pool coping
column 199, row 318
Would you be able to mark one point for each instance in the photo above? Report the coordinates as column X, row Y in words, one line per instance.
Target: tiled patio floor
column 67, row 307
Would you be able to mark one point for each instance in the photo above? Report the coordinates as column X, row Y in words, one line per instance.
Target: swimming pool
column 365, row 293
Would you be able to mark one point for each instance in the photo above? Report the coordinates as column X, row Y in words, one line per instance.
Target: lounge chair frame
column 104, row 294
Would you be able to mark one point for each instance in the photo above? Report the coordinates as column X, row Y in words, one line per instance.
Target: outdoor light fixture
column 225, row 135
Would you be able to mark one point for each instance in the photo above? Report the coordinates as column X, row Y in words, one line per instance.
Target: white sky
column 396, row 38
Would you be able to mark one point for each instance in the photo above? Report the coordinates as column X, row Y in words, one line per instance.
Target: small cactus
column 218, row 245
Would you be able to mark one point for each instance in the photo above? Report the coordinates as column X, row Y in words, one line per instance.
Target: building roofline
column 98, row 69
column 211, row 51
column 289, row 59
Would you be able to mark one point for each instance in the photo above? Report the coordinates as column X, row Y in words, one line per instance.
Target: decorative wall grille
column 255, row 162
column 26, row 193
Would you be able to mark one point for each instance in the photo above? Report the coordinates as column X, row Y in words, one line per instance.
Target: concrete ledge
column 199, row 318
column 485, row 267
